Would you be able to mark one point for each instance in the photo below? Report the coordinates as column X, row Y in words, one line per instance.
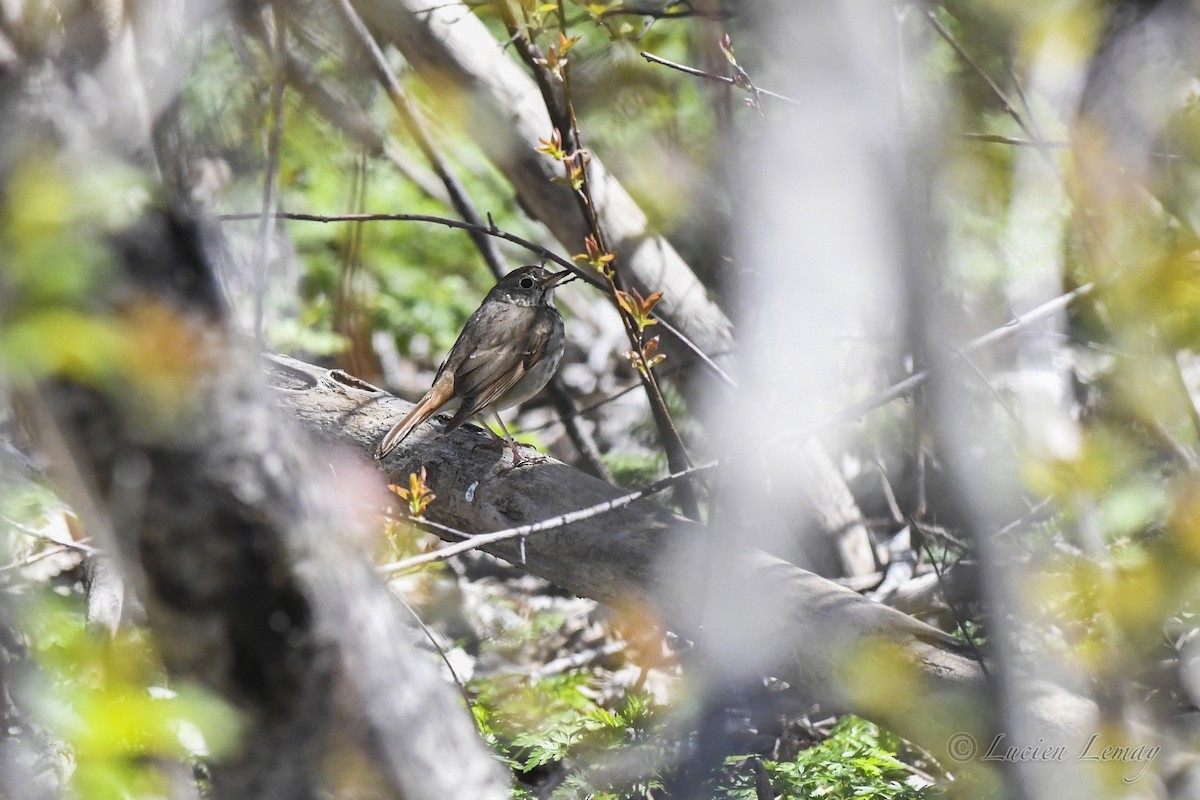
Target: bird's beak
column 559, row 278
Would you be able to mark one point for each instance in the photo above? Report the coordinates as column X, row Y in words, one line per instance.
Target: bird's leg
column 482, row 422
column 514, row 445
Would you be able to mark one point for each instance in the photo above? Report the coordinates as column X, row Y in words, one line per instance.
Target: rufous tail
column 425, row 408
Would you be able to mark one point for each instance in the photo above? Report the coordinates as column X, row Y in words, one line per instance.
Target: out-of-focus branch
column 349, row 117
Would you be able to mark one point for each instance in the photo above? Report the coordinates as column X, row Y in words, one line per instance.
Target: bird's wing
column 483, row 375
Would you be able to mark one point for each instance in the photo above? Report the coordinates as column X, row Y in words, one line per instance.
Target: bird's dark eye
column 527, row 283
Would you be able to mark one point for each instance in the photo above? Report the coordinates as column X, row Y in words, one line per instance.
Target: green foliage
column 52, row 221
column 533, row 725
column 106, row 700
column 632, row 469
column 556, row 722
column 858, row 760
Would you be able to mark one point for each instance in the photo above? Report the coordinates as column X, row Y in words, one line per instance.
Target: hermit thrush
column 506, row 353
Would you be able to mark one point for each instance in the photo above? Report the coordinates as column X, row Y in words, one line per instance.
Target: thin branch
column 45, row 537
column 709, row 76
column 441, row 651
column 499, row 233
column 1013, row 140
column 42, row 555
column 416, row 128
column 473, row 227
column 603, row 401
column 568, row 414
column 677, row 10
column 476, row 541
column 1009, row 106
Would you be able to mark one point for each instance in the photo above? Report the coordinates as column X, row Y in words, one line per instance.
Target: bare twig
column 589, row 408
column 994, row 138
column 709, row 76
column 574, row 661
column 1009, row 106
column 441, row 651
column 678, row 10
column 476, row 541
column 45, row 537
column 416, row 128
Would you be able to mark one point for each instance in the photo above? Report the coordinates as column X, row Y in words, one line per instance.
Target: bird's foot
column 520, row 459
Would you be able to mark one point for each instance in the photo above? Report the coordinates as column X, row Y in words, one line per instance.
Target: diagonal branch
column 478, row 541
column 416, row 128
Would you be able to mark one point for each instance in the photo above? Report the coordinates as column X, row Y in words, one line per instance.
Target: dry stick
column 978, row 137
column 574, row 661
column 709, row 76
column 416, row 128
column 271, row 179
column 476, row 541
column 441, row 651
column 42, row 555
